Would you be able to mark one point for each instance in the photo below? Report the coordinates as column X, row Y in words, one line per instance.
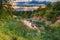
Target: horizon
column 35, row 0
column 18, row 5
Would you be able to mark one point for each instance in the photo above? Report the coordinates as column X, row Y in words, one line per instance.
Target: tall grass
column 16, row 30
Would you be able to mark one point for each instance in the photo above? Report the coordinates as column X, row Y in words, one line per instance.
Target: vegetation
column 13, row 29
column 5, row 9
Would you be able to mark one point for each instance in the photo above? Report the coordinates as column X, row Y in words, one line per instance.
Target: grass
column 14, row 29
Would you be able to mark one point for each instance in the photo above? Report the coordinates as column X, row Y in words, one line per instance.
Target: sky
column 35, row 0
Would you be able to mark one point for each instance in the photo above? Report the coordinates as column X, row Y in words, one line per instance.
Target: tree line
column 50, row 12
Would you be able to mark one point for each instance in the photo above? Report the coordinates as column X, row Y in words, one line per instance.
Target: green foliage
column 16, row 30
column 40, row 24
column 57, row 6
column 13, row 29
column 50, row 12
column 5, row 10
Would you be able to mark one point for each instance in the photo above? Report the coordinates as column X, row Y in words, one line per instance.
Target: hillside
column 40, row 24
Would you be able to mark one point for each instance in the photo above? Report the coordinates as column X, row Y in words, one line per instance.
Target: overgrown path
column 28, row 24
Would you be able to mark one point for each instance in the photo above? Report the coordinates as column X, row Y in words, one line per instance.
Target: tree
column 6, row 9
column 57, row 6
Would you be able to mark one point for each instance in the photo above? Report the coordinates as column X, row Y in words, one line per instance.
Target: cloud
column 23, row 0
column 41, row 0
column 35, row 0
column 53, row 0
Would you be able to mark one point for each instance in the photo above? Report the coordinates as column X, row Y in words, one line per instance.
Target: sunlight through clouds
column 35, row 0
column 53, row 0
column 23, row 0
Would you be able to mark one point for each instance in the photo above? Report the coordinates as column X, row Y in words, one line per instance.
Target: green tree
column 57, row 6
column 6, row 9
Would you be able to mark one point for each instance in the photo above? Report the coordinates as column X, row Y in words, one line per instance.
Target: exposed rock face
column 41, row 19
column 58, row 21
column 58, row 18
column 48, row 22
